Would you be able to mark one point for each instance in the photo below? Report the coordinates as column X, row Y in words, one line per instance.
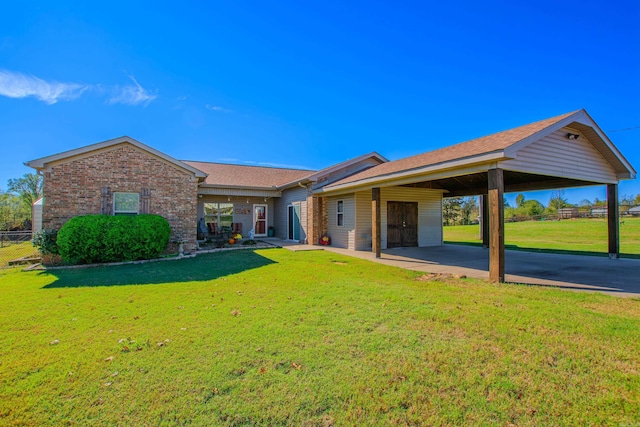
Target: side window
column 340, row 213
column 126, row 203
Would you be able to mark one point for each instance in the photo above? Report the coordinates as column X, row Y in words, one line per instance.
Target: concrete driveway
column 593, row 273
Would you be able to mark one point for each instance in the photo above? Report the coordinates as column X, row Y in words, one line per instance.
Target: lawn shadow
column 201, row 268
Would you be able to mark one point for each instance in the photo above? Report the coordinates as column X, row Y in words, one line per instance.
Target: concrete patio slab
column 619, row 277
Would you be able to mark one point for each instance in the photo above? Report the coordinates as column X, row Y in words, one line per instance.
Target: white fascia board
column 410, row 175
column 512, row 150
column 610, row 145
column 583, row 118
column 295, row 183
column 238, row 192
column 445, row 173
column 240, row 187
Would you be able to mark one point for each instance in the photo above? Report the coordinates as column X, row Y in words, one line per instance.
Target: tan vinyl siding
column 341, row 236
column 290, row 196
column 556, row 155
column 429, row 212
column 363, row 221
column 303, row 221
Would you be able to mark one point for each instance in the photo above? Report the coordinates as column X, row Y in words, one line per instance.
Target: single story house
column 366, row 203
column 635, row 211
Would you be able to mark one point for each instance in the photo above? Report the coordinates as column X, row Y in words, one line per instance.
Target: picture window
column 126, row 203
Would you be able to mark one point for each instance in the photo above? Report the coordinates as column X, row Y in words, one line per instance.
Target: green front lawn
column 273, row 337
column 576, row 235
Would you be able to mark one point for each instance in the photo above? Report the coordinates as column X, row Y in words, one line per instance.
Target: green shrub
column 104, row 238
column 45, row 241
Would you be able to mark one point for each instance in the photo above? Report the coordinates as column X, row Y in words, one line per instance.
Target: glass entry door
column 260, row 220
column 293, row 222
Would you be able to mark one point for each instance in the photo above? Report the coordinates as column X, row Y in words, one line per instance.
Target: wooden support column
column 496, row 225
column 376, row 238
column 484, row 221
column 613, row 219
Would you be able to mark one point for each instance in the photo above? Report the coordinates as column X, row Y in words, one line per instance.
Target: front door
column 402, row 224
column 293, row 222
column 260, row 220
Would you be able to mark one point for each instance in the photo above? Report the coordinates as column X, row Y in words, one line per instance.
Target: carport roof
column 493, row 147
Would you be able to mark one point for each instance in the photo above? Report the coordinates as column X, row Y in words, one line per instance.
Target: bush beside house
column 105, row 238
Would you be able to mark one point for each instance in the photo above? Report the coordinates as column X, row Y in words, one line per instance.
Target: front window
column 340, row 213
column 126, row 203
column 220, row 214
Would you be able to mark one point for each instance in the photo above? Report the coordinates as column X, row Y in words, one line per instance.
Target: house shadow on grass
column 201, row 268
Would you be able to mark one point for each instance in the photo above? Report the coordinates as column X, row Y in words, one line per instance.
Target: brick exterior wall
column 85, row 185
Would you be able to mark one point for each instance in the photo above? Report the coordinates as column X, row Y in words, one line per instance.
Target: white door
column 260, row 220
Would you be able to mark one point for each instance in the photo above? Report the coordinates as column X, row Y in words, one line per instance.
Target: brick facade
column 85, row 185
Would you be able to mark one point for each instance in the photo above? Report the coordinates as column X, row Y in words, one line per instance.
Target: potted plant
column 325, row 240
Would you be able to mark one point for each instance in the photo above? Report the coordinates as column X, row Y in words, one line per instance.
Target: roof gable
column 494, row 147
column 43, row 162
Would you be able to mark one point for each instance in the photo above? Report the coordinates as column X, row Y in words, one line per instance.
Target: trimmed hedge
column 104, row 238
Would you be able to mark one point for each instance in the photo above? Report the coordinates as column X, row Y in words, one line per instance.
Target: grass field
column 17, row 250
column 577, row 235
column 272, row 337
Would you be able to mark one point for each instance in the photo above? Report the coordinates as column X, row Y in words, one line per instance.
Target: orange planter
column 231, row 241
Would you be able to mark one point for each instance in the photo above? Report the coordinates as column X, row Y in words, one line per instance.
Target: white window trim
column 339, row 213
column 115, row 212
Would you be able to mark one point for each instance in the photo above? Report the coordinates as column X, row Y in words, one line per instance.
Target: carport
column 566, row 151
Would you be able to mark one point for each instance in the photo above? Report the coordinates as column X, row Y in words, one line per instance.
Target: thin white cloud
column 217, row 108
column 18, row 85
column 181, row 98
column 132, row 94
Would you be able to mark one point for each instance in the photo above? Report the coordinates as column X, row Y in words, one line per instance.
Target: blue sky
column 310, row 85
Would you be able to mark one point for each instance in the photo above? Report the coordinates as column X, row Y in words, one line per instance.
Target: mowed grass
column 11, row 251
column 576, row 235
column 277, row 338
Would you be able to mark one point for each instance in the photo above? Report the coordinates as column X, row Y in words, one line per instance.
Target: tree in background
column 12, row 212
column 468, row 210
column 451, row 209
column 16, row 203
column 557, row 201
column 28, row 188
column 519, row 200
